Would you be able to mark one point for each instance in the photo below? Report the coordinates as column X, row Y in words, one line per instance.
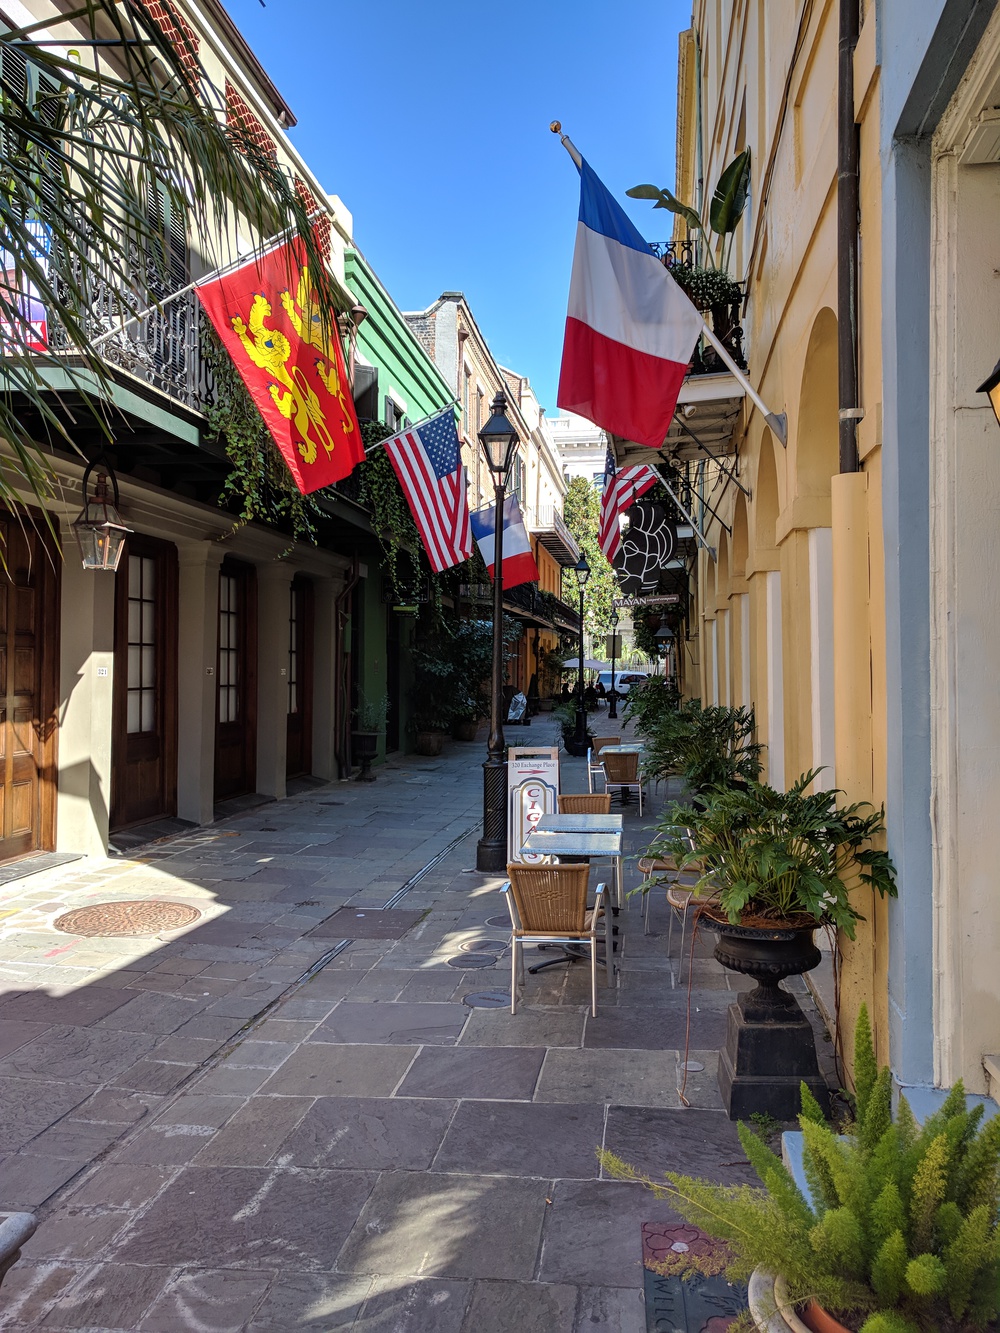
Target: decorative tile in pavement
column 685, row 1289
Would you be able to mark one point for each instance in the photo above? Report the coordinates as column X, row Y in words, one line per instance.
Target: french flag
column 518, row 562
column 630, row 330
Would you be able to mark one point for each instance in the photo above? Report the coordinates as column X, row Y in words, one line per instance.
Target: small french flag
column 630, row 330
column 518, row 562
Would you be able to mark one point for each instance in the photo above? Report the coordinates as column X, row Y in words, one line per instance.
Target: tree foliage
column 582, row 512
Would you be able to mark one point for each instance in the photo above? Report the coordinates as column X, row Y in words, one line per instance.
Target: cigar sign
column 532, row 791
column 648, row 543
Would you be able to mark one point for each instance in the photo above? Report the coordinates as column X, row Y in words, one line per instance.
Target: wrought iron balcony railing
column 163, row 348
column 725, row 317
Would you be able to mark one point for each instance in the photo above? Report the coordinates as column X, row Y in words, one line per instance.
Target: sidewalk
column 290, row 1116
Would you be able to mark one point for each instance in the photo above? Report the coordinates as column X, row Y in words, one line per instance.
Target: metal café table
column 582, row 835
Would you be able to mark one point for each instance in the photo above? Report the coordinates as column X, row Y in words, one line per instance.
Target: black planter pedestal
column 365, row 747
column 770, row 1048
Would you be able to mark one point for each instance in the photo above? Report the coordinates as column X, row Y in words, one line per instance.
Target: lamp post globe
column 582, row 571
column 613, row 693
column 498, row 440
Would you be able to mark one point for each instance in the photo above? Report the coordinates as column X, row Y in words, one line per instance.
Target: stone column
column 197, row 661
column 325, row 670
column 86, row 692
column 274, row 583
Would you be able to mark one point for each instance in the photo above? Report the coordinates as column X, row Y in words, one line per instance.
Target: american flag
column 428, row 463
column 621, row 489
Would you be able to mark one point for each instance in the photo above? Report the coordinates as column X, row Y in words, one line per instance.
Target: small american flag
column 621, row 489
column 428, row 463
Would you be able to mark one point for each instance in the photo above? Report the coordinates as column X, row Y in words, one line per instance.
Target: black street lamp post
column 613, row 696
column 499, row 441
column 582, row 571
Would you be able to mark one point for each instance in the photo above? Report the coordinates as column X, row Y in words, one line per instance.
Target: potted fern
column 897, row 1233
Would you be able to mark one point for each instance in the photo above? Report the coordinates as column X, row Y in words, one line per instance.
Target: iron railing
column 726, row 318
column 163, row 348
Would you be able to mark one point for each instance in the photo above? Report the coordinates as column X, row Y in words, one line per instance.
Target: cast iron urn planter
column 770, row 1048
column 364, row 745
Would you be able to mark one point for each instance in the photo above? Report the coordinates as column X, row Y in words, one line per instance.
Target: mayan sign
column 267, row 315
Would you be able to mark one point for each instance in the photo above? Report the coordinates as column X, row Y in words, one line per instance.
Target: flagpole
column 271, row 244
column 778, row 421
column 697, row 531
column 415, row 425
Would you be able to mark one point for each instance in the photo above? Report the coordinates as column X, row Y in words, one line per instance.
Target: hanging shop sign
column 647, row 544
column 661, row 599
column 532, row 791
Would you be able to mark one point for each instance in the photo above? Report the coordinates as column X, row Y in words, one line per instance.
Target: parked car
column 623, row 679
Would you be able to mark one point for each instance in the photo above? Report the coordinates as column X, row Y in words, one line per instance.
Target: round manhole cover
column 497, row 922
column 473, row 960
column 483, row 946
column 107, row 920
column 487, row 999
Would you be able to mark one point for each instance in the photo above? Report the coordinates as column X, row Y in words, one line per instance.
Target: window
column 393, row 414
column 517, row 478
column 229, row 655
column 294, row 611
column 480, row 410
column 168, row 263
column 466, row 381
column 141, row 692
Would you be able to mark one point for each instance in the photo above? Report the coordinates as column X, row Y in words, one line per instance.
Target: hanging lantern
column 100, row 530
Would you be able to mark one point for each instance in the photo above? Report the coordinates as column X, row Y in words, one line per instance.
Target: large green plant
column 773, row 855
column 899, row 1228
column 727, row 206
column 87, row 160
column 651, row 702
column 453, row 662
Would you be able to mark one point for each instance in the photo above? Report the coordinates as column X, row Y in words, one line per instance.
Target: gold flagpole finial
column 556, row 127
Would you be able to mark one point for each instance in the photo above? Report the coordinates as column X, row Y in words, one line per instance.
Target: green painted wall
column 404, row 368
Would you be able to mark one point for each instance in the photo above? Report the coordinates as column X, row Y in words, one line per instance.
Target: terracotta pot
column 429, row 743
column 465, row 731
column 817, row 1320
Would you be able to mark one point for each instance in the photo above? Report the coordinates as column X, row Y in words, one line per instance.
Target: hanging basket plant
column 706, row 287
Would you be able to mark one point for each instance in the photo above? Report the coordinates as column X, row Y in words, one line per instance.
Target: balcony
column 162, row 349
column 526, row 601
column 547, row 524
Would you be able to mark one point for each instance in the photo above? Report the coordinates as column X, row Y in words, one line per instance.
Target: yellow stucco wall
column 808, row 543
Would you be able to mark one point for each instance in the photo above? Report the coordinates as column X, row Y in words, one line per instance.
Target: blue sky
column 431, row 122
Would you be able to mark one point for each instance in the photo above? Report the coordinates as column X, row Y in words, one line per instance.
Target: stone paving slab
column 355, row 1149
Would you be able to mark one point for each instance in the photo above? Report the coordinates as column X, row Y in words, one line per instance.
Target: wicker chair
column 680, row 891
column 621, row 774
column 548, row 905
column 594, row 766
column 585, row 803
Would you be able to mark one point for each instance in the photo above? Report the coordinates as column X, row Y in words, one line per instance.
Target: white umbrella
column 589, row 664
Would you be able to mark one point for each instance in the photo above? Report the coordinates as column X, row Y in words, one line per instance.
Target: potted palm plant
column 896, row 1233
column 371, row 716
column 773, row 866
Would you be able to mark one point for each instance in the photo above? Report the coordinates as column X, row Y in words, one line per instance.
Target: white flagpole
column 232, row 264
column 414, row 425
column 777, row 421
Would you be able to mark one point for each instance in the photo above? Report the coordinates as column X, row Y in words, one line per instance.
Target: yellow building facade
column 788, row 604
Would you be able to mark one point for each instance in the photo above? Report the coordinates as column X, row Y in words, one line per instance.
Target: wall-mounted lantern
column 100, row 530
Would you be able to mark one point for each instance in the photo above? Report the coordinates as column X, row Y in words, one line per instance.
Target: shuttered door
column 144, row 728
column 300, row 678
column 236, row 716
column 28, row 682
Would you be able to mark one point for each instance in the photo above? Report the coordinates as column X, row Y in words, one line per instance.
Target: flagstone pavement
column 286, row 1116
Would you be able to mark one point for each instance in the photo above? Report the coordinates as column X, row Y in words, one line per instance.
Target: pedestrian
column 564, row 695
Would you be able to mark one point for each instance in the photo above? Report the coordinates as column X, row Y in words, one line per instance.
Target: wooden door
column 236, row 692
column 144, row 717
column 29, row 657
column 300, row 678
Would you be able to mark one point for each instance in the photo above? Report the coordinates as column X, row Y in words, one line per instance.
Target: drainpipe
column 847, row 240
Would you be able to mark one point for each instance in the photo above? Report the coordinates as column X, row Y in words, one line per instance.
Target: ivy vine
column 259, row 481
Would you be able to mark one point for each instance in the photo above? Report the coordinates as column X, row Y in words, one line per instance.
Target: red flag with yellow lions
column 267, row 315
